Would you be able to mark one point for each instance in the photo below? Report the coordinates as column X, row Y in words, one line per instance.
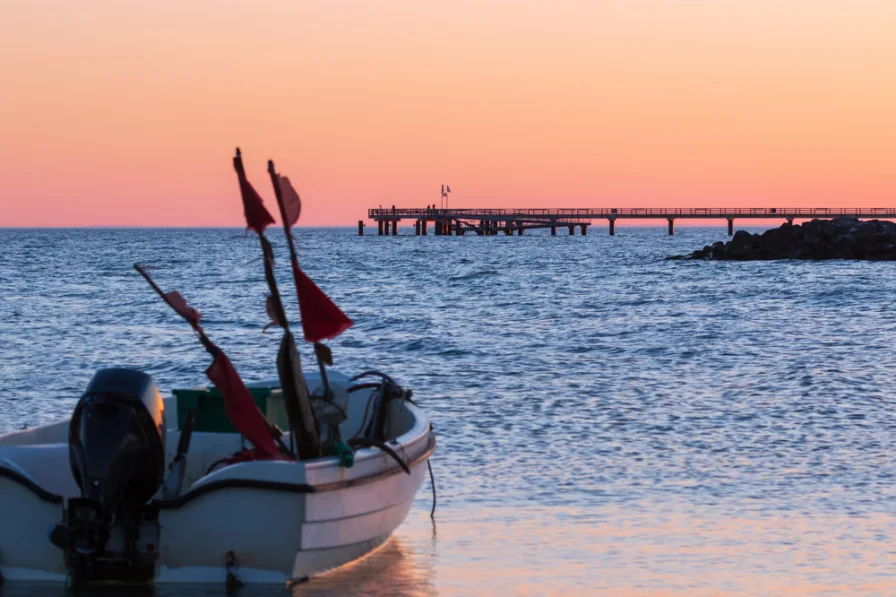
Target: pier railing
column 491, row 221
column 636, row 212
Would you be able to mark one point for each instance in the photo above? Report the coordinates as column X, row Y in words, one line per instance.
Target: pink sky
column 127, row 113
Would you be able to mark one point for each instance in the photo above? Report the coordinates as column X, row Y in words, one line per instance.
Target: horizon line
column 690, row 224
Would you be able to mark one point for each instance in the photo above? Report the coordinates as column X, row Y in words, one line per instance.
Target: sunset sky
column 128, row 112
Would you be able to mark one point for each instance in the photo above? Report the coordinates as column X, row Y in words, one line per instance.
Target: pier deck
column 508, row 221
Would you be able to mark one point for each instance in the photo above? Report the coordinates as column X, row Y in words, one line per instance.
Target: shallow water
column 609, row 423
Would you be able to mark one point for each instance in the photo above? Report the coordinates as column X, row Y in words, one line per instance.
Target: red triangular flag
column 240, row 407
column 321, row 318
column 292, row 203
column 179, row 304
column 257, row 216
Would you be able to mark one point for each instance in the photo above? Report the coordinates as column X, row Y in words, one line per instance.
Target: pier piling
column 730, row 226
column 671, row 226
column 612, row 227
column 360, row 227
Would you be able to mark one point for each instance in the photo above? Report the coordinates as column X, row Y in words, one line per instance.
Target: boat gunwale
column 233, row 483
column 301, row 488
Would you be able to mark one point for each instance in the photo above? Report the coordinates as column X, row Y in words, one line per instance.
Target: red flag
column 174, row 300
column 272, row 314
column 321, row 318
column 257, row 216
column 292, row 203
column 179, row 304
column 241, row 408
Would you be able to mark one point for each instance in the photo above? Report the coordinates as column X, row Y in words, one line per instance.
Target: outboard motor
column 117, row 456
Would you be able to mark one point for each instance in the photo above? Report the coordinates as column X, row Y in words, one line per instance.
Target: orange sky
column 127, row 112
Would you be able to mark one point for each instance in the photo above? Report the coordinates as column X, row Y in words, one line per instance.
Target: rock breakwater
column 840, row 238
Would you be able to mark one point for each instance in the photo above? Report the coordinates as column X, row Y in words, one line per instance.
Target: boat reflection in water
column 393, row 570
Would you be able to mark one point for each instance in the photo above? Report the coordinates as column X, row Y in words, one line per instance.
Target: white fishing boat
column 205, row 486
column 261, row 521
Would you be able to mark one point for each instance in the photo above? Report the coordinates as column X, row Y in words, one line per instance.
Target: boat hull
column 280, row 521
column 284, row 534
column 27, row 515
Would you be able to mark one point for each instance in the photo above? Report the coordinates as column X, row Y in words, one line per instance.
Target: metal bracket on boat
column 233, row 583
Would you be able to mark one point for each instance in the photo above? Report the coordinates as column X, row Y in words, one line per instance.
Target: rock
column 738, row 251
column 811, row 236
column 839, row 238
column 800, row 252
column 843, row 240
column 742, row 238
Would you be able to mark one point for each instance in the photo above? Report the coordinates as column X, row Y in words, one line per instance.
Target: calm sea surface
column 610, row 423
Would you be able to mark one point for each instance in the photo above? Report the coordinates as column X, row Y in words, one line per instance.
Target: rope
column 432, row 482
column 364, row 418
column 404, row 396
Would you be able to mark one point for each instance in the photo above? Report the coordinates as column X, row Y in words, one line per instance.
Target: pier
column 489, row 222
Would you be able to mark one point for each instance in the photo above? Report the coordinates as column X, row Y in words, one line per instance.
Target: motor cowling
column 117, row 440
column 117, row 457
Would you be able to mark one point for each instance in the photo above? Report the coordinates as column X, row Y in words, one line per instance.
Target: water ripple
column 579, row 375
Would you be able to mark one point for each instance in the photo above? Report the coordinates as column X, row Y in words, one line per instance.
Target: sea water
column 609, row 422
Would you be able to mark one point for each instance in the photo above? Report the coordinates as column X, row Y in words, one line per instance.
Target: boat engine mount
column 117, row 457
